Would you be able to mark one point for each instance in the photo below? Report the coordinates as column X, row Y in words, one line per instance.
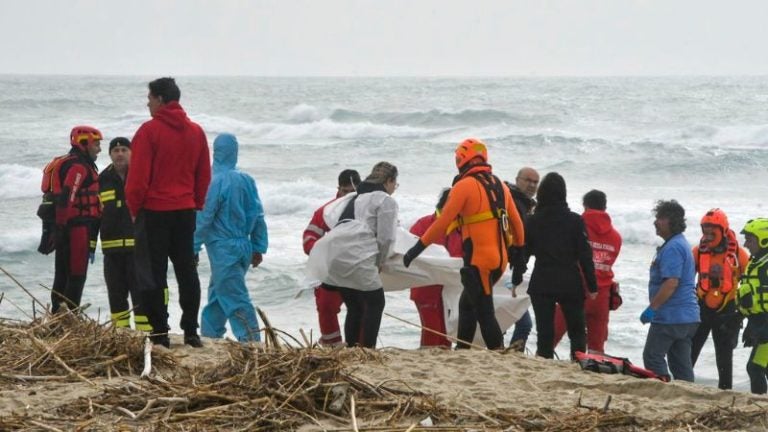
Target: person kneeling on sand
column 232, row 227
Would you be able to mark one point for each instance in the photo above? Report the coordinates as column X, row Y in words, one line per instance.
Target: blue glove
column 92, row 256
column 647, row 315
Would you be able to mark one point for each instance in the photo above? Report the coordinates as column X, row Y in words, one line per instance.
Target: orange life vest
column 86, row 202
column 717, row 270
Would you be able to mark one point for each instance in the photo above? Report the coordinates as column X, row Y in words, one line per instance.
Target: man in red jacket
column 328, row 301
column 170, row 173
column 606, row 244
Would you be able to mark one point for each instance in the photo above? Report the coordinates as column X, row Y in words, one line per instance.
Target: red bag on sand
column 603, row 363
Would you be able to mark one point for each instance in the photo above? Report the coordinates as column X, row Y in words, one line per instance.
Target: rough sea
column 699, row 140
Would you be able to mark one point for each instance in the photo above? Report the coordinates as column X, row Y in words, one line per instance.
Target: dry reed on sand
column 256, row 387
column 70, row 346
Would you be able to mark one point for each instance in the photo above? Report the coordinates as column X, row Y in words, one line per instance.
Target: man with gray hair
column 523, row 191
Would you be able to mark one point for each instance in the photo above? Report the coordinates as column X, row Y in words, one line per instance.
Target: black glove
column 517, row 263
column 413, row 252
column 517, row 275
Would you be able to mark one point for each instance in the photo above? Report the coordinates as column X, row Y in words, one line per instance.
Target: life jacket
column 716, row 279
column 752, row 296
column 493, row 189
column 86, row 201
column 603, row 363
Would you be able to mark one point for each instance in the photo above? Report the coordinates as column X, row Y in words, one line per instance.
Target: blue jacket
column 232, row 210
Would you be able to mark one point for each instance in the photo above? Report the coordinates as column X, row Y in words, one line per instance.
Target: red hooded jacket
column 605, row 242
column 170, row 163
column 452, row 241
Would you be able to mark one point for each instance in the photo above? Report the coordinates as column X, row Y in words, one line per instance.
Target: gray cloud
column 391, row 37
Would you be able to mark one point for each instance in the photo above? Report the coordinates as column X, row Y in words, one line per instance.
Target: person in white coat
column 357, row 248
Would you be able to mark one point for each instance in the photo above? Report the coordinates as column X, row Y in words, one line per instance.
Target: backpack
column 46, row 211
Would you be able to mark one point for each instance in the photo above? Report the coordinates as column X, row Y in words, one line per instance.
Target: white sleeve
column 386, row 228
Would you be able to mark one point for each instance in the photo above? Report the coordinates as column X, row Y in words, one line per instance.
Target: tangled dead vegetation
column 70, row 346
column 262, row 387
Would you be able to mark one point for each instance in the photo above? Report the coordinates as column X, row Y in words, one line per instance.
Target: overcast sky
column 384, row 37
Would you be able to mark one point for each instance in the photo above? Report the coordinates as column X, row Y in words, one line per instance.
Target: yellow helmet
column 759, row 228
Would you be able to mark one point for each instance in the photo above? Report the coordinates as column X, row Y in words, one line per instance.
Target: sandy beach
column 394, row 389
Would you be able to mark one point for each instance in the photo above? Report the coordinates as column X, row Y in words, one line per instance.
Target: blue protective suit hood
column 224, row 153
column 232, row 227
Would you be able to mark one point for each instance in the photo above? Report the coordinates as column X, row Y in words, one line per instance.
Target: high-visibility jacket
column 116, row 226
column 752, row 295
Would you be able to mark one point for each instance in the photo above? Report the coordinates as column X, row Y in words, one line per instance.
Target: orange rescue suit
column 483, row 245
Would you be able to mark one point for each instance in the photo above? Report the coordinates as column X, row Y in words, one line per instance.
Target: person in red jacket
column 429, row 299
column 170, row 173
column 328, row 301
column 77, row 212
column 606, row 244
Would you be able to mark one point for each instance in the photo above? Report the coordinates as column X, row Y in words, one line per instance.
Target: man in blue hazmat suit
column 232, row 227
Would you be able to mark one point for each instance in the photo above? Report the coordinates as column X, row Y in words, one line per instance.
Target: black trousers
column 364, row 310
column 573, row 311
column 161, row 235
column 724, row 326
column 71, row 266
column 475, row 307
column 120, row 276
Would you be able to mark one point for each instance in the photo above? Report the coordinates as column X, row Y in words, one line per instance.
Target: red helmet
column 89, row 134
column 716, row 217
column 469, row 149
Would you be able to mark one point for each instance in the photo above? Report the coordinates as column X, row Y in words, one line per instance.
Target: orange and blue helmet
column 469, row 149
column 82, row 136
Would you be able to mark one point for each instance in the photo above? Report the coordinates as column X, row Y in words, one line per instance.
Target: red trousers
column 596, row 317
column 328, row 304
column 429, row 302
column 72, row 248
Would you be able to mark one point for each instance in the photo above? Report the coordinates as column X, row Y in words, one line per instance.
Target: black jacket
column 116, row 225
column 557, row 238
column 523, row 204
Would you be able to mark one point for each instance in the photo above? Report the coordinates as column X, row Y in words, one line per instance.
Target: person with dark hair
column 523, row 191
column 674, row 310
column 359, row 245
column 595, row 200
column 71, row 188
column 720, row 262
column 117, row 240
column 606, row 244
column 170, row 173
column 165, row 89
column 429, row 299
column 491, row 230
column 328, row 301
column 557, row 238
